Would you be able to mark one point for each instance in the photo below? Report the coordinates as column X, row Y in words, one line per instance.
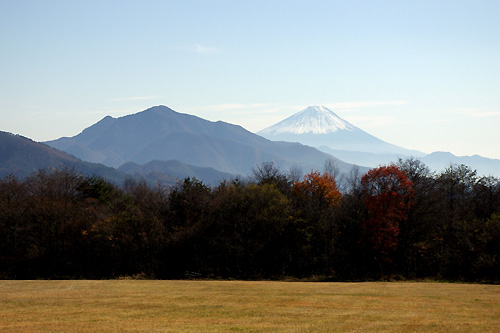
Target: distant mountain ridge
column 322, row 128
column 485, row 166
column 160, row 133
column 161, row 145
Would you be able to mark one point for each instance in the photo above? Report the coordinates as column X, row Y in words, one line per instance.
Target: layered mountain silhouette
column 160, row 133
column 320, row 127
column 161, row 145
column 170, row 172
column 20, row 157
column 484, row 166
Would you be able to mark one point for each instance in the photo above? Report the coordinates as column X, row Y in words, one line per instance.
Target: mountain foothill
column 162, row 145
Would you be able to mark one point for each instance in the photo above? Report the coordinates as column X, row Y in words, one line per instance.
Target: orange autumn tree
column 388, row 196
column 319, row 189
column 315, row 199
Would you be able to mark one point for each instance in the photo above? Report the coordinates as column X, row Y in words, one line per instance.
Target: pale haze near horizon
column 422, row 75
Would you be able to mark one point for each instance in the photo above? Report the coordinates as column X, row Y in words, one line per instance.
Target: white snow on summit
column 312, row 120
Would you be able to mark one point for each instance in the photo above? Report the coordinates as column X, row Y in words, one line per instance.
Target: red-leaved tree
column 389, row 195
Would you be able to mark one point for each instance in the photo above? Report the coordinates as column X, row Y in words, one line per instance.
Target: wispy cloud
column 241, row 108
column 133, row 98
column 256, row 116
column 227, row 107
column 476, row 113
column 286, row 108
column 363, row 104
column 252, row 116
column 441, row 120
column 372, row 122
column 115, row 112
column 486, row 114
column 202, row 49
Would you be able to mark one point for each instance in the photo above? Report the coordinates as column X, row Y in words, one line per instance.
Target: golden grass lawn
column 218, row 306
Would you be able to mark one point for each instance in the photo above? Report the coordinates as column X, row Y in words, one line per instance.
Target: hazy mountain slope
column 176, row 171
column 485, row 166
column 160, row 133
column 370, row 160
column 319, row 126
column 20, row 156
column 436, row 161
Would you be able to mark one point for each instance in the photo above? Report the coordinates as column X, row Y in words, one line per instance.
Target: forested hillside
column 397, row 221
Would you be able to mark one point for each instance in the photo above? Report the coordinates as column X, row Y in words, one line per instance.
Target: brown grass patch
column 217, row 306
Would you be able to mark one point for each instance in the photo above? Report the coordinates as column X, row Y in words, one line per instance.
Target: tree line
column 400, row 221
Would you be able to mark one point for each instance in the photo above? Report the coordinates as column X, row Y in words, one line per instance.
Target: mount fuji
column 314, row 119
column 320, row 127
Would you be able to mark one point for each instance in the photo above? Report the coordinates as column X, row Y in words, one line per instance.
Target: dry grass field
column 219, row 306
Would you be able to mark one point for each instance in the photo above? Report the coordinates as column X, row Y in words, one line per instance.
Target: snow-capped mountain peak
column 312, row 120
column 317, row 126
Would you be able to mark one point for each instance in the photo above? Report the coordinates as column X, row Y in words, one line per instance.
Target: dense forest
column 400, row 221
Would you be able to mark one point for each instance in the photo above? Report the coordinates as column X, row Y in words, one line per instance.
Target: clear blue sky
column 420, row 74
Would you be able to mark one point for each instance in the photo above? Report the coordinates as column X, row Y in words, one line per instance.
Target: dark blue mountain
column 159, row 133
